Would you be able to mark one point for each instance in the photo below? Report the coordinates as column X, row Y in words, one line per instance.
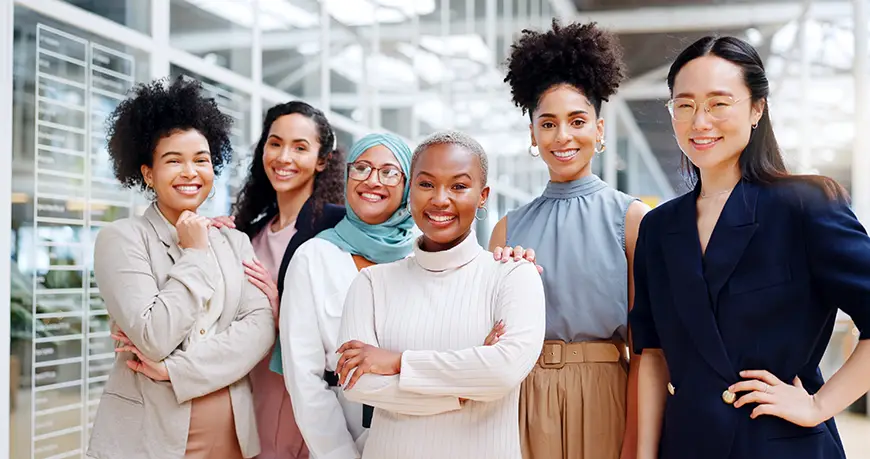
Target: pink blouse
column 279, row 436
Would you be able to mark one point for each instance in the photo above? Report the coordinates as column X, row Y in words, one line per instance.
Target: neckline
column 449, row 259
column 584, row 186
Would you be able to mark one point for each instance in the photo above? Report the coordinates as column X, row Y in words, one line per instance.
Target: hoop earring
column 754, row 126
column 211, row 195
column 536, row 153
column 602, row 148
column 485, row 213
column 409, row 207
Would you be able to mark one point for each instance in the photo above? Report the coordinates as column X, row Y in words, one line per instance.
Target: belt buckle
column 556, row 365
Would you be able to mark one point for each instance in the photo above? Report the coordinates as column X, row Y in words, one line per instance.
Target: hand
column 776, row 398
column 365, row 358
column 503, row 254
column 154, row 370
column 220, row 222
column 192, row 230
column 262, row 279
column 495, row 334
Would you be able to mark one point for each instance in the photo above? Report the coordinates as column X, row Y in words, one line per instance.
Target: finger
column 254, row 273
column 518, row 253
column 123, row 339
column 496, row 254
column 361, row 370
column 767, row 409
column 133, row 365
column 797, row 383
column 340, row 367
column 763, row 375
column 749, row 385
column 753, row 397
column 530, row 255
column 540, row 269
column 258, row 283
column 349, row 366
column 352, row 344
column 506, row 254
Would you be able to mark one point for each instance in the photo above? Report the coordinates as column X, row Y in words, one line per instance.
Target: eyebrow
column 688, row 95
column 294, row 140
column 574, row 113
column 386, row 163
column 175, row 153
column 463, row 174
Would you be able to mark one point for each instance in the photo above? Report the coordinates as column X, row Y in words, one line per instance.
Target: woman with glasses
column 738, row 282
column 578, row 402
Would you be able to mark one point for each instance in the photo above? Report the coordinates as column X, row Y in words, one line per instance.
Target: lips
column 704, row 143
column 188, row 189
column 565, row 155
column 284, row 173
column 440, row 219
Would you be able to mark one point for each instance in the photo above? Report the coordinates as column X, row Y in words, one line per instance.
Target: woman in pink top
column 295, row 182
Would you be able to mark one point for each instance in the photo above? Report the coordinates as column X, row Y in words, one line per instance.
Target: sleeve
column 231, row 354
column 318, row 413
column 156, row 319
column 487, row 373
column 643, row 328
column 358, row 323
column 839, row 255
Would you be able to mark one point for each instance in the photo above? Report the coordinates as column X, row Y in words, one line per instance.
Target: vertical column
column 6, row 30
column 325, row 58
column 445, row 83
column 416, row 66
column 376, row 53
column 610, row 156
column 255, row 110
column 805, row 153
column 860, row 145
column 160, row 33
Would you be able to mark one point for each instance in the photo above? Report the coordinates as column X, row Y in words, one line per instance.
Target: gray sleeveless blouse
column 577, row 230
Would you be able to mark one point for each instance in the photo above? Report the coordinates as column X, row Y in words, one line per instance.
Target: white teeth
column 187, row 188
column 704, row 141
column 565, row 154
column 441, row 218
column 371, row 197
column 283, row 172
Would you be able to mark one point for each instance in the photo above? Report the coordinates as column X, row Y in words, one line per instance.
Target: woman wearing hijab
column 376, row 229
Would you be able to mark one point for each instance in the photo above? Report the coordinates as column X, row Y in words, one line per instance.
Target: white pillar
column 860, row 145
column 159, row 58
column 610, row 156
column 806, row 140
column 255, row 110
column 7, row 10
column 325, row 58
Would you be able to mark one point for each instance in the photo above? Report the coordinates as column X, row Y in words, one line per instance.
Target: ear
column 599, row 128
column 148, row 175
column 532, row 135
column 758, row 108
column 321, row 163
column 484, row 195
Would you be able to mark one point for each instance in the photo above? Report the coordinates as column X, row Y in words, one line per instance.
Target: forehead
column 189, row 141
column 295, row 126
column 708, row 75
column 448, row 159
column 377, row 155
column 562, row 99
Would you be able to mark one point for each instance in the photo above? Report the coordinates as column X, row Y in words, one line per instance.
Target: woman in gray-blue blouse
column 578, row 401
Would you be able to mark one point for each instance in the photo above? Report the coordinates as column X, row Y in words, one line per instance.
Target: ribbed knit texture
column 437, row 308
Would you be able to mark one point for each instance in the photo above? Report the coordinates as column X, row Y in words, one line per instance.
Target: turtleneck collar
column 445, row 260
column 584, row 186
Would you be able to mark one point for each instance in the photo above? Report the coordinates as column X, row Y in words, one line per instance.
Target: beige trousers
column 576, row 412
column 212, row 433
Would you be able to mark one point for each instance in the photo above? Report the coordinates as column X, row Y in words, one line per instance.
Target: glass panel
column 217, row 31
column 65, row 83
column 291, row 46
column 237, row 105
column 135, row 14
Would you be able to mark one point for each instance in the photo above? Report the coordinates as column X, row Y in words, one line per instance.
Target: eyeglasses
column 387, row 175
column 719, row 107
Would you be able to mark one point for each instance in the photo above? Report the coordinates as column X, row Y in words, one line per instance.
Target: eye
column 548, row 125
column 460, row 186
column 578, row 122
column 301, row 148
column 274, row 144
column 424, row 184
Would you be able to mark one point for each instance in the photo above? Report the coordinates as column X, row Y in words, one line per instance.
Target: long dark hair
column 258, row 201
column 761, row 160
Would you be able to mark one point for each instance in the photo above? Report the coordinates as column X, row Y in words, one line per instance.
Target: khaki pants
column 574, row 412
column 212, row 433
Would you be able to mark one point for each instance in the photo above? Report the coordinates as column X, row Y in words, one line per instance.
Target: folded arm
column 156, row 319
column 229, row 355
column 486, row 373
column 358, row 323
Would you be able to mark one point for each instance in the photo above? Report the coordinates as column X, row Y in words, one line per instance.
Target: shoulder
column 803, row 195
column 317, row 249
column 240, row 241
column 664, row 212
column 499, row 234
column 521, row 211
column 125, row 229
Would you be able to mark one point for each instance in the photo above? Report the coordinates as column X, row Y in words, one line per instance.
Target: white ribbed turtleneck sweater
column 437, row 308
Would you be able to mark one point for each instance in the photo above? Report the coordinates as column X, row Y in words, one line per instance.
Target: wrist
column 821, row 411
column 398, row 365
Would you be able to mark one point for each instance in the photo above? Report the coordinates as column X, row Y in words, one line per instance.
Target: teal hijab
column 389, row 241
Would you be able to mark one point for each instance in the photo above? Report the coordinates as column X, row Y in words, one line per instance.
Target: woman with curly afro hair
column 187, row 325
column 579, row 400
column 293, row 192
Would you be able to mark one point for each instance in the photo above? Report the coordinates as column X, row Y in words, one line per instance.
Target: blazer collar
column 164, row 234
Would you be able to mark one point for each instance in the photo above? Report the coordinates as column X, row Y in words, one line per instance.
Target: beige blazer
column 153, row 291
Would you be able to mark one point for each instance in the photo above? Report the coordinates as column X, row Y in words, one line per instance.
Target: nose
column 440, row 198
column 374, row 179
column 189, row 170
column 562, row 135
column 702, row 120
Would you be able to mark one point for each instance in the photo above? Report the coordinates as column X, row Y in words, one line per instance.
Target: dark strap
column 368, row 411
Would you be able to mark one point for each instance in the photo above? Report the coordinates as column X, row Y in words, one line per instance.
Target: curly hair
column 581, row 55
column 155, row 111
column 258, row 202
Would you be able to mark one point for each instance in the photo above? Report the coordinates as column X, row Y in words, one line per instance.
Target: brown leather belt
column 557, row 353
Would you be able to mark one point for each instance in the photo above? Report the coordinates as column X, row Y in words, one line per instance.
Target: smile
column 705, row 143
column 189, row 189
column 285, row 173
column 372, row 197
column 440, row 220
column 565, row 155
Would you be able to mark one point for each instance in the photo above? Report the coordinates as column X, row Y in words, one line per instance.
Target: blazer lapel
column 729, row 240
column 161, row 227
column 689, row 288
column 306, row 228
column 233, row 276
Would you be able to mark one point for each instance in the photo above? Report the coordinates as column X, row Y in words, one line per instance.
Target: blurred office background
column 407, row 66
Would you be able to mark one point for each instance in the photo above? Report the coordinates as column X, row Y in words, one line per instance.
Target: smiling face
column 372, row 200
column 447, row 189
column 711, row 143
column 181, row 174
column 290, row 155
column 565, row 129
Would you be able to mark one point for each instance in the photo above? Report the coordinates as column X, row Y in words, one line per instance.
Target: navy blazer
column 781, row 259
column 306, row 228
